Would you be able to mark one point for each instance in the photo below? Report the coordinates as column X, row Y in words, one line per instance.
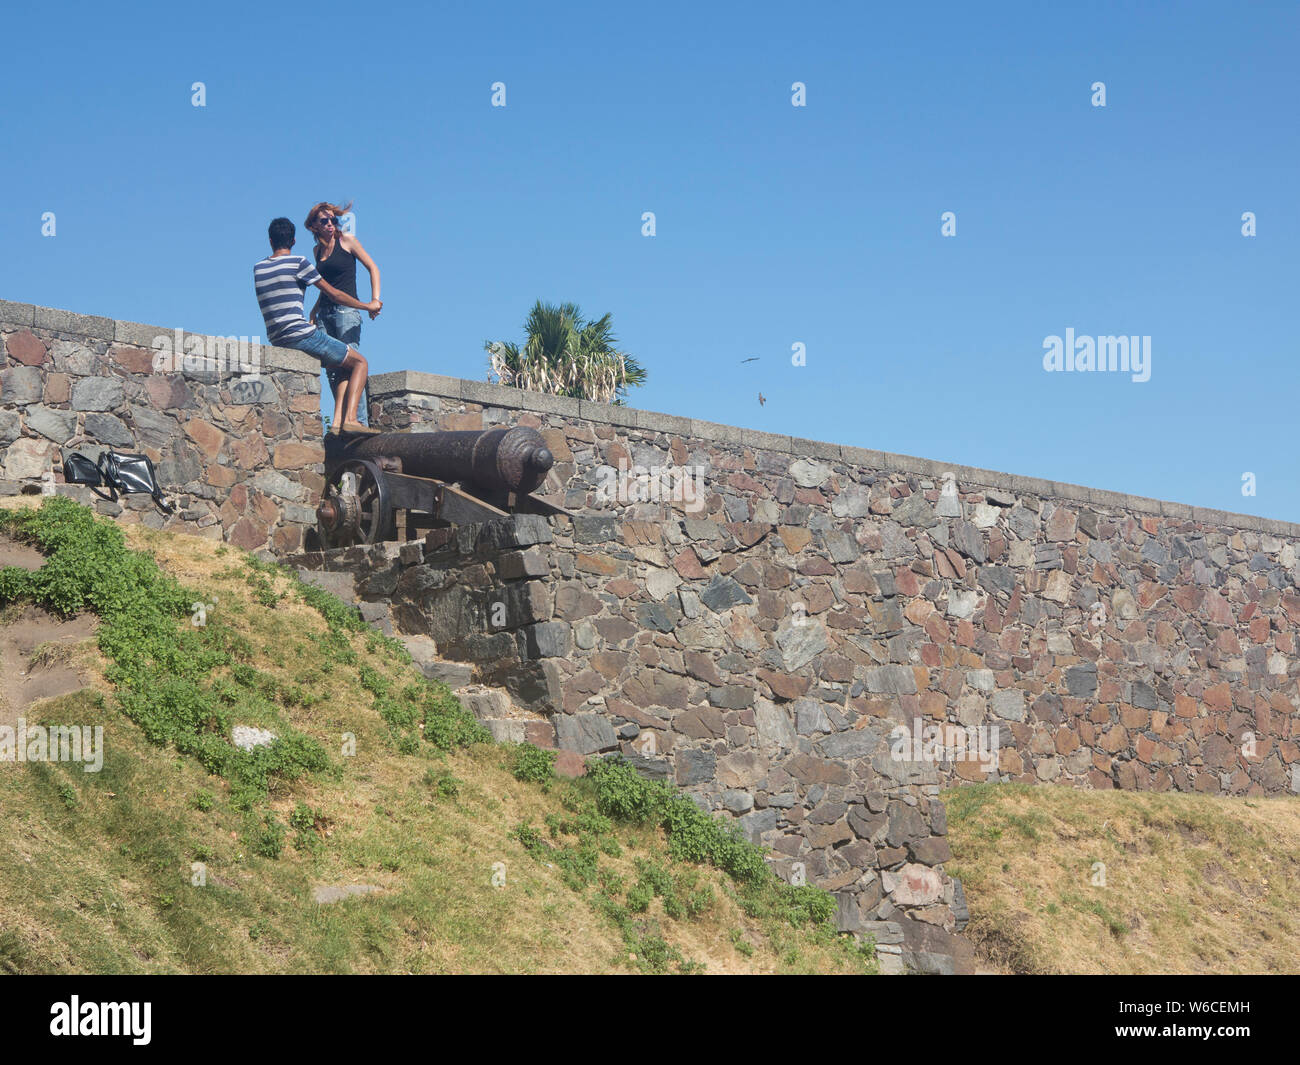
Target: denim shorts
column 322, row 346
column 342, row 323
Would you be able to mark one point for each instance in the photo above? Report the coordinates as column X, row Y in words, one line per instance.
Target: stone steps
column 492, row 707
column 424, row 653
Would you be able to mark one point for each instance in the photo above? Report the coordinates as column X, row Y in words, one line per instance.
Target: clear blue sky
column 775, row 224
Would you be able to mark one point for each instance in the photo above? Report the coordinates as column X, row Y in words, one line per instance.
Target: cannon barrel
column 509, row 460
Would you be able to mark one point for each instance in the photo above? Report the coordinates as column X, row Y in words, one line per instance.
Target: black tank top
column 340, row 269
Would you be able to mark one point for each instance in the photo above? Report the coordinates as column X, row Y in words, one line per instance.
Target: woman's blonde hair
column 322, row 207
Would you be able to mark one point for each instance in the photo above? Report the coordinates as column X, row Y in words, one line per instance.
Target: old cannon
column 433, row 479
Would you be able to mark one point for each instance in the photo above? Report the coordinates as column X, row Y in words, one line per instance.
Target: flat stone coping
column 31, row 316
column 490, row 395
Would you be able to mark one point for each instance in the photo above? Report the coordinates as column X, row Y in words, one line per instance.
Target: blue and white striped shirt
column 280, row 282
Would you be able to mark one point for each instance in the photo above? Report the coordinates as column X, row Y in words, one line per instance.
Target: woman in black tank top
column 336, row 259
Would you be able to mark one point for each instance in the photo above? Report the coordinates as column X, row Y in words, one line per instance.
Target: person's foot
column 357, row 427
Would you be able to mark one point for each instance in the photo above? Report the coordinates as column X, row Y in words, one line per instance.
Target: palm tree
column 566, row 355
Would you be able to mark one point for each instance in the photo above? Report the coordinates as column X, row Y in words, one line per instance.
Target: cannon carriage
column 376, row 483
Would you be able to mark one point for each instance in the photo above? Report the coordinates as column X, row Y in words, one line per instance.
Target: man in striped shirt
column 281, row 279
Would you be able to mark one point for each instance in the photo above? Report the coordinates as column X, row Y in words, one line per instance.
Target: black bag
column 118, row 473
column 80, row 469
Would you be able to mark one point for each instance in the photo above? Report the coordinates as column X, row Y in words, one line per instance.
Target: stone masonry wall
column 562, row 616
column 1113, row 641
column 240, row 455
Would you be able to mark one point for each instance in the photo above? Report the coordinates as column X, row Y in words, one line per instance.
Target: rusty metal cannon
column 433, row 479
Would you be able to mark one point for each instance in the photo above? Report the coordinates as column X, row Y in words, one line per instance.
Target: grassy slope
column 95, row 869
column 1193, row 884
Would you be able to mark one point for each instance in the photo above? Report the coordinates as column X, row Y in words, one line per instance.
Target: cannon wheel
column 367, row 514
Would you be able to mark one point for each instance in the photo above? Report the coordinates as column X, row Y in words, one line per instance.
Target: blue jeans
column 342, row 323
column 322, row 346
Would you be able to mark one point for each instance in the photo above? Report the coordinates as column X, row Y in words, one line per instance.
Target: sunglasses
column 325, row 220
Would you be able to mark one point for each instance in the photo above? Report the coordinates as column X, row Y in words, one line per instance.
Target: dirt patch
column 21, row 555
column 1190, row 833
column 1215, row 874
column 35, row 651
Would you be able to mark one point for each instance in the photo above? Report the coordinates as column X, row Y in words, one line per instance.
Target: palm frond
column 563, row 354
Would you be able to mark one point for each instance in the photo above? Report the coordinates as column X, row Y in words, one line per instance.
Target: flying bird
column 754, row 359
column 762, row 400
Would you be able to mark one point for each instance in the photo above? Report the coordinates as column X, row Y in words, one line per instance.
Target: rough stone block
column 518, row 530
column 530, row 563
column 594, row 529
column 340, row 583
column 98, row 394
column 585, row 733
column 20, row 385
column 56, row 425
column 548, row 639
column 109, row 429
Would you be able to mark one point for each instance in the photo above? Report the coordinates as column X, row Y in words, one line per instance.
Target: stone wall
column 239, row 453
column 1113, row 641
column 563, row 616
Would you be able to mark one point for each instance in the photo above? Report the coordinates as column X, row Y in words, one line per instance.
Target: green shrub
column 340, row 617
column 159, row 664
column 699, row 901
column 530, row 838
column 374, row 681
column 624, row 795
column 741, row 944
column 447, row 725
column 655, row 876
column 610, row 882
column 693, row 835
column 805, row 904
column 268, row 840
column 532, row 764
column 444, row 784
column 639, row 897
column 303, row 817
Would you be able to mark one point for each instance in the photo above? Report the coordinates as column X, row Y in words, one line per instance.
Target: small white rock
column 245, row 737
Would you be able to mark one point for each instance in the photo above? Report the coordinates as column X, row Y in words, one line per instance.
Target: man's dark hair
column 281, row 232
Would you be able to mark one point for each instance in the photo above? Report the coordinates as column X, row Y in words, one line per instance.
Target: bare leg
column 340, row 397
column 355, row 385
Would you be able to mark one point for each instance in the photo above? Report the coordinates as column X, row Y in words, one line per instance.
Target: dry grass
column 95, row 869
column 1193, row 883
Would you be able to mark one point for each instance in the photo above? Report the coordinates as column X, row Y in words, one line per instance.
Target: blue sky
column 775, row 224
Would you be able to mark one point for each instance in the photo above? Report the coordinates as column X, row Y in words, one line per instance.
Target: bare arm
column 343, row 299
column 353, row 245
